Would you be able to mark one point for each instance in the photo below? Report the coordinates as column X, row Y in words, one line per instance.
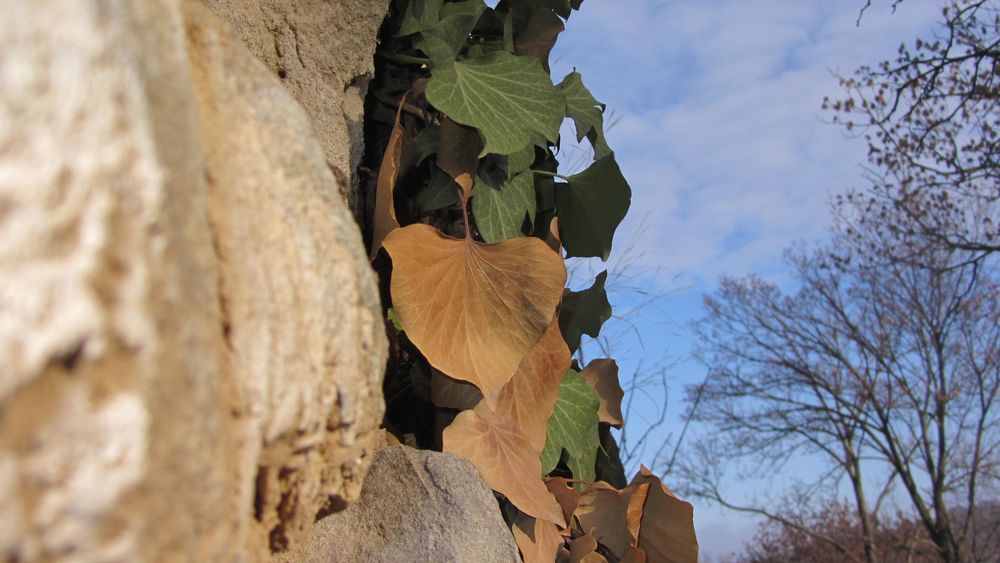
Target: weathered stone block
column 190, row 337
column 416, row 505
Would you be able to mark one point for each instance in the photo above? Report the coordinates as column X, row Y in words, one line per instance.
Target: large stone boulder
column 416, row 505
column 190, row 336
column 322, row 52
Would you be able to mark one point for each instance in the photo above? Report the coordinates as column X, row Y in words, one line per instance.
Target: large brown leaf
column 474, row 310
column 633, row 555
column 538, row 540
column 528, row 398
column 384, row 216
column 666, row 531
column 615, row 514
column 602, row 376
column 506, row 462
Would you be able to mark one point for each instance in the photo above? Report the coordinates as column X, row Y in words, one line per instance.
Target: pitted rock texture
column 190, row 338
column 416, row 505
column 322, row 52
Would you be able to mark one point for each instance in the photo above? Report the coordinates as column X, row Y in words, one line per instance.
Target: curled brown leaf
column 602, row 376
column 384, row 216
column 666, row 532
column 528, row 398
column 506, row 463
column 538, row 540
column 584, row 550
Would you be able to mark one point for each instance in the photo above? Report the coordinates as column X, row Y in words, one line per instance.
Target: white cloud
column 720, row 129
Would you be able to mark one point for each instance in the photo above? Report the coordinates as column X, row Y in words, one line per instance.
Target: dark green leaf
column 539, row 36
column 561, row 7
column 437, row 49
column 500, row 211
column 427, row 141
column 586, row 112
column 590, row 207
column 458, row 153
column 508, row 32
column 419, row 15
column 457, row 20
column 609, row 464
column 511, row 100
column 520, row 161
column 440, row 193
column 493, row 170
column 583, row 312
column 573, row 427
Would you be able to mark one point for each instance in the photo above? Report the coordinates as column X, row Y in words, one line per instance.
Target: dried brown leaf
column 602, row 376
column 633, row 555
column 458, row 153
column 584, row 550
column 505, row 461
column 384, row 216
column 538, row 540
column 614, row 513
column 552, row 238
column 666, row 532
column 528, row 398
column 567, row 497
column 474, row 310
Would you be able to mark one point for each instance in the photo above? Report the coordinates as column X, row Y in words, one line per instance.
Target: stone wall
column 190, row 336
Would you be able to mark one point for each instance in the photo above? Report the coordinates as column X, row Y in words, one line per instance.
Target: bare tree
column 931, row 119
column 886, row 369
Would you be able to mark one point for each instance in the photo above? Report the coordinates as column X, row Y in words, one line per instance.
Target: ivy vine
column 470, row 226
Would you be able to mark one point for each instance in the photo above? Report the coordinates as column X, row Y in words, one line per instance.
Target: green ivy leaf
column 511, row 100
column 561, row 7
column 539, row 35
column 590, row 207
column 508, row 32
column 520, row 161
column 440, row 193
column 573, row 427
column 427, row 141
column 456, row 22
column 500, row 210
column 419, row 16
column 436, row 48
column 584, row 312
column 586, row 112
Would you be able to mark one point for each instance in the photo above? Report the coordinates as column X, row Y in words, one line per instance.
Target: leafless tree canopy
column 887, row 369
column 931, row 121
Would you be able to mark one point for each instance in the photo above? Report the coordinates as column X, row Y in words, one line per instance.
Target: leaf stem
column 465, row 214
column 553, row 174
column 401, row 58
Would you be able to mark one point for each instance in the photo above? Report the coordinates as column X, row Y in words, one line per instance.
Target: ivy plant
column 470, row 227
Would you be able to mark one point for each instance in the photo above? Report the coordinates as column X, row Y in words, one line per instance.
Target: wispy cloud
column 719, row 126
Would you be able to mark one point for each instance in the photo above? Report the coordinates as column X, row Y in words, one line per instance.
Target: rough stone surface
column 416, row 505
column 190, row 336
column 322, row 52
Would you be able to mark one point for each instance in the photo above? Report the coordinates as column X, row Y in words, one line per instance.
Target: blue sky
column 719, row 129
